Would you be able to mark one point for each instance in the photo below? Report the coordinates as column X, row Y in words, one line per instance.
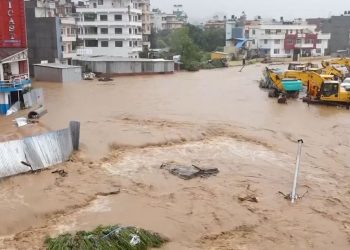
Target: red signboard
column 12, row 24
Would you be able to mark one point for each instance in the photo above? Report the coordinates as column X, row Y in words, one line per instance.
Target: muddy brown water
column 216, row 118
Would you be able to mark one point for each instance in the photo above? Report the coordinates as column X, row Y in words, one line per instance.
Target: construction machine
column 329, row 92
column 280, row 86
column 340, row 61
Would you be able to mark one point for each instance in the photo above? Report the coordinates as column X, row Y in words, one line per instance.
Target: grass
column 107, row 238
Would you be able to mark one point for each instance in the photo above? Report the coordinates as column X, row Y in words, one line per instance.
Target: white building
column 69, row 38
column 286, row 39
column 164, row 21
column 145, row 6
column 110, row 27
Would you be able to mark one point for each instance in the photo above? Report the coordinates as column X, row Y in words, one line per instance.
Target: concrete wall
column 62, row 75
column 47, row 74
column 44, row 37
column 71, row 75
column 339, row 27
column 132, row 67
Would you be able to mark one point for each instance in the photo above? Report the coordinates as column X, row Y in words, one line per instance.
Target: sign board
column 12, row 24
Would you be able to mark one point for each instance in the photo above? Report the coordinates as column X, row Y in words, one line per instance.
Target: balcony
column 304, row 46
column 69, row 38
column 111, row 36
column 110, row 10
column 109, row 23
column 70, row 54
column 271, row 36
column 17, row 83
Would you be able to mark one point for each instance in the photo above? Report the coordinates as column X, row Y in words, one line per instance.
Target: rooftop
column 116, row 59
column 7, row 52
column 57, row 66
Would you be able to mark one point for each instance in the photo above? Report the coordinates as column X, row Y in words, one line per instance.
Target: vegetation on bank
column 107, row 238
column 193, row 44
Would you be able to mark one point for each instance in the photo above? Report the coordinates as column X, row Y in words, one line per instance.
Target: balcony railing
column 16, row 83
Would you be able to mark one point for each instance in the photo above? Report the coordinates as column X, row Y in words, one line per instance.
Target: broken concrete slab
column 189, row 172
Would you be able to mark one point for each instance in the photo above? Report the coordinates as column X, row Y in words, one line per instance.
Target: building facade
column 163, row 21
column 14, row 70
column 110, row 27
column 44, row 34
column 286, row 40
column 145, row 6
column 69, row 38
column 339, row 28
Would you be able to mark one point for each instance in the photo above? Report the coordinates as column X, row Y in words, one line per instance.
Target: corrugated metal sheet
column 39, row 151
column 33, row 98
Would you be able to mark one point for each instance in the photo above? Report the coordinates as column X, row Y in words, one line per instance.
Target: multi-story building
column 110, row 27
column 163, row 21
column 14, row 71
column 51, row 31
column 285, row 39
column 145, row 6
column 69, row 38
column 339, row 28
column 215, row 23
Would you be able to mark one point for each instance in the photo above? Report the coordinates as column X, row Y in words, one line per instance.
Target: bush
column 192, row 66
column 107, row 238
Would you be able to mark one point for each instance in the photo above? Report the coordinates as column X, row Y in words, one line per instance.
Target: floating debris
column 61, row 172
column 189, row 172
column 107, row 238
column 250, row 198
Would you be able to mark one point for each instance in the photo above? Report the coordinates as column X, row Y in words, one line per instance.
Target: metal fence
column 34, row 153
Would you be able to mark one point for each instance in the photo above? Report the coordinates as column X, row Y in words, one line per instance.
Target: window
column 319, row 41
column 118, row 31
column 104, row 30
column 276, row 51
column 277, row 41
column 278, row 31
column 104, row 43
column 298, row 41
column 103, row 18
column 307, row 41
column 90, row 17
column 287, row 51
column 267, row 32
column 129, row 18
column 290, row 42
column 130, row 43
column 130, row 31
column 318, row 51
column 265, row 41
column 91, row 43
column 100, row 2
column 253, row 42
column 253, row 32
column 135, row 43
column 135, row 31
column 118, row 17
column 118, row 43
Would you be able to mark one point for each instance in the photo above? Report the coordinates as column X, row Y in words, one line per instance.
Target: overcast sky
column 203, row 9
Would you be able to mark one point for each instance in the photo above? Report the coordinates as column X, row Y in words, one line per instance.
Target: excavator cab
column 333, row 92
column 330, row 90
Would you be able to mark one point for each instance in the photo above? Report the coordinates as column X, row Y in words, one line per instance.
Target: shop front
column 14, row 77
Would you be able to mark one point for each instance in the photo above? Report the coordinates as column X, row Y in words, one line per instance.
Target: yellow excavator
column 297, row 70
column 327, row 92
column 340, row 61
column 321, row 89
column 279, row 85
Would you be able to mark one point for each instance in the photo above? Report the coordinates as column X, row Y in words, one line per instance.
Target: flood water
column 214, row 118
column 222, row 96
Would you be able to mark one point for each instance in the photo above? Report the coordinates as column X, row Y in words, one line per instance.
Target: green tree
column 182, row 44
